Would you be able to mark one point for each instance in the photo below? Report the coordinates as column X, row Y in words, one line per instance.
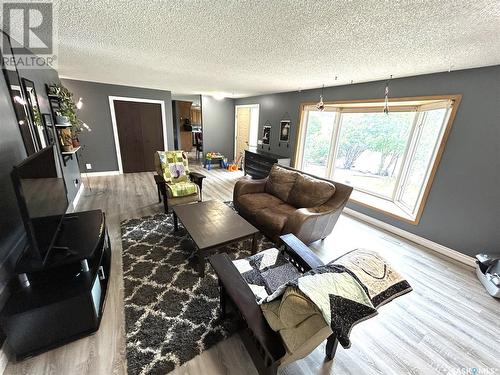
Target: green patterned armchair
column 175, row 182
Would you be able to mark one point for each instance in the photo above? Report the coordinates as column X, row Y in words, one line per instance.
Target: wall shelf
column 71, row 152
column 55, row 105
column 67, row 155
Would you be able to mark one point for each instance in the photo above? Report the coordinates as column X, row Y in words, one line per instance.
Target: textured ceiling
column 242, row 48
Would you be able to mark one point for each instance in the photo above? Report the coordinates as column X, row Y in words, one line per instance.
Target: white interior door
column 243, row 115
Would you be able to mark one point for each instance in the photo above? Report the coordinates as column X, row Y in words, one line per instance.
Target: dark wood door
column 140, row 132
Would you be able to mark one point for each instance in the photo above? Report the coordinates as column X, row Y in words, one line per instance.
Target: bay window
column 389, row 159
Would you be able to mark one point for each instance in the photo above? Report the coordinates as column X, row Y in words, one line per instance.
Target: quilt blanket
column 346, row 291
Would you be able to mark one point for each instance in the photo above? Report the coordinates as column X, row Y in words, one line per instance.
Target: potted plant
column 66, row 114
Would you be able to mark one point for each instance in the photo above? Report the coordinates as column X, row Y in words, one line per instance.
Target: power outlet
column 88, row 166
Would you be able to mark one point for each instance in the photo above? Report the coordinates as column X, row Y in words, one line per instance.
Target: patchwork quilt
column 346, row 291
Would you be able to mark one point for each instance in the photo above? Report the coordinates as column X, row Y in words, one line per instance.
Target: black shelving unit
column 55, row 104
column 63, row 299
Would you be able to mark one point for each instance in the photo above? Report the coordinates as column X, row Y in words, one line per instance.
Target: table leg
column 176, row 221
column 201, row 263
column 331, row 347
column 254, row 243
column 222, row 299
column 159, row 193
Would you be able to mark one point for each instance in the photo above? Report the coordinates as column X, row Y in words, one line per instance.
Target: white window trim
column 419, row 104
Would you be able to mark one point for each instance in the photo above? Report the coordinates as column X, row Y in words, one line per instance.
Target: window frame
column 419, row 104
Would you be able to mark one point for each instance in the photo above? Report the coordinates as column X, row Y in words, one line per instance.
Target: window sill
column 382, row 205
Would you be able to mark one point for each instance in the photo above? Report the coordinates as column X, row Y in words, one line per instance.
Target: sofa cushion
column 258, row 201
column 280, row 182
column 310, row 192
column 252, row 204
column 273, row 218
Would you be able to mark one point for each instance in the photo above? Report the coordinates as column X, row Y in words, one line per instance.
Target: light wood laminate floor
column 448, row 324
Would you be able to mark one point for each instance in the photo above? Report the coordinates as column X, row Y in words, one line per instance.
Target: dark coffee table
column 213, row 224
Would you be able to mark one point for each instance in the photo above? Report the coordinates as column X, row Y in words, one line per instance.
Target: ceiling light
column 79, row 104
column 321, row 106
column 386, row 97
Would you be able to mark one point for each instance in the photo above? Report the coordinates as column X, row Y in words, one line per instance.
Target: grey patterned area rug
column 171, row 315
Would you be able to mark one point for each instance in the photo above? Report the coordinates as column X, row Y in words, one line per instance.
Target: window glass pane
column 423, row 155
column 317, row 143
column 371, row 148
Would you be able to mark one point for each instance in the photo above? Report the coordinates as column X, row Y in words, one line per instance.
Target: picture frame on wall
column 285, row 131
column 266, row 134
column 34, row 112
column 28, row 131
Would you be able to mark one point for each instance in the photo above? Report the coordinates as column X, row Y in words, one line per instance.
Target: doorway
column 246, row 128
column 139, row 130
column 188, row 125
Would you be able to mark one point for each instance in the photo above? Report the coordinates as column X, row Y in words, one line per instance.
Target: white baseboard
column 99, row 174
column 453, row 254
column 78, row 195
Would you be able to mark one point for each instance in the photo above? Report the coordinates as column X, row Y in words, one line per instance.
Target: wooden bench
column 262, row 343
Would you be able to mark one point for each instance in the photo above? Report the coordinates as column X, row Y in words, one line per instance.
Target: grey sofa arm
column 248, row 186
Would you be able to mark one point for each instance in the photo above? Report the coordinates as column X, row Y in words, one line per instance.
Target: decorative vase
column 62, row 120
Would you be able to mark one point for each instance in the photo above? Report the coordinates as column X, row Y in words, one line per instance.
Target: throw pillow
column 280, row 182
column 310, row 192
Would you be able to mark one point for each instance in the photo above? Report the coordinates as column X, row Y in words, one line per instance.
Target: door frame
column 256, row 105
column 115, row 127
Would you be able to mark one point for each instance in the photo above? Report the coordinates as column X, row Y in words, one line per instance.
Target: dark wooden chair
column 264, row 345
column 161, row 187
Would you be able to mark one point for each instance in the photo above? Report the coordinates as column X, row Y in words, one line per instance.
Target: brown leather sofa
column 291, row 201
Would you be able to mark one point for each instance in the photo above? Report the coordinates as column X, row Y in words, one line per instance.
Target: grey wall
column 463, row 207
column 12, row 151
column 40, row 77
column 99, row 145
column 218, row 125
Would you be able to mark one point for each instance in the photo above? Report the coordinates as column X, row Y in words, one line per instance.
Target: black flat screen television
column 41, row 193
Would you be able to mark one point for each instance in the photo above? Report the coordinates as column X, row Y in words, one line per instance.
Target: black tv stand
column 63, row 298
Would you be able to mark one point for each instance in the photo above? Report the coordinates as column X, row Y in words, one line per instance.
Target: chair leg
column 176, row 222
column 331, row 347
